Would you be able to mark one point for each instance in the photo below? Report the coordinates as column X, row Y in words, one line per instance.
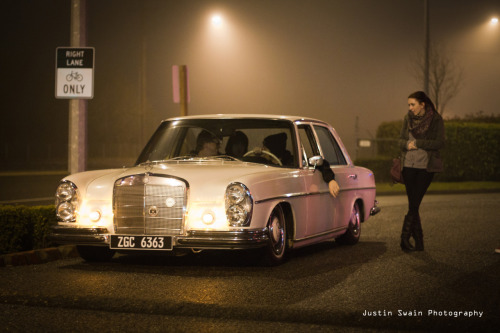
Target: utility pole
column 142, row 73
column 426, row 46
column 77, row 150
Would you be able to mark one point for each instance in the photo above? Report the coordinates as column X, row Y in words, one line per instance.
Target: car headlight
column 66, row 201
column 239, row 205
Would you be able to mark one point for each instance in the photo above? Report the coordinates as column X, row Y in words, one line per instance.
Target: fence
column 372, row 148
column 32, row 156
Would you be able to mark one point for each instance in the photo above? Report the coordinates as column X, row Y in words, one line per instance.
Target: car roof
column 247, row 116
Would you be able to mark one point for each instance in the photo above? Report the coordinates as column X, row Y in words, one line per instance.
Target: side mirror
column 316, row 161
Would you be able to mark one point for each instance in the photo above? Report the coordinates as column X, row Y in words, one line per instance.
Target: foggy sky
column 329, row 59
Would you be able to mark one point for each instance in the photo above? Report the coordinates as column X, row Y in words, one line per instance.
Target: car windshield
column 266, row 141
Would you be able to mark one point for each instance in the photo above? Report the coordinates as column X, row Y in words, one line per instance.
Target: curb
column 35, row 257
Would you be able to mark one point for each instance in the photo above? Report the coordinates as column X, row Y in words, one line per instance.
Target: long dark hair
column 418, row 125
column 421, row 97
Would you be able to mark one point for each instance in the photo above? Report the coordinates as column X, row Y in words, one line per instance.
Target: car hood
column 205, row 179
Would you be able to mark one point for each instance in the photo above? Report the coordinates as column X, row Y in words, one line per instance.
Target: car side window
column 331, row 149
column 308, row 143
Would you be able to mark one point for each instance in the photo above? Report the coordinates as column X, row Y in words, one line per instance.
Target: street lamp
column 217, row 20
column 494, row 21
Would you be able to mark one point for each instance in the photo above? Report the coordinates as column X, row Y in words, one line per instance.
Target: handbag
column 396, row 174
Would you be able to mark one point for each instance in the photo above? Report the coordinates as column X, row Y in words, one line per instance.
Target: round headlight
column 236, row 215
column 239, row 204
column 65, row 192
column 66, row 212
column 235, row 193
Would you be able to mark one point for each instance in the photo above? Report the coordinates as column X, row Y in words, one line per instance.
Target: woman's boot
column 418, row 234
column 406, row 234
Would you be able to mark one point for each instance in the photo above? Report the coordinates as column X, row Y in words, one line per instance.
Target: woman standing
column 422, row 136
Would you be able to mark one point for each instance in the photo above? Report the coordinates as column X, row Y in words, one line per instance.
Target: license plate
column 141, row 242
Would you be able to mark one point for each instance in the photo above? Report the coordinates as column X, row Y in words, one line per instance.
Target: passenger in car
column 329, row 178
column 237, row 144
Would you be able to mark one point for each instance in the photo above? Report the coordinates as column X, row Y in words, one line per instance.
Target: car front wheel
column 276, row 250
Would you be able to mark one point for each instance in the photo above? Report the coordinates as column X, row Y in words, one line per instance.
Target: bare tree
column 446, row 76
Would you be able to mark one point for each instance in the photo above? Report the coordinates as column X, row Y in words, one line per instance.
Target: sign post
column 180, row 84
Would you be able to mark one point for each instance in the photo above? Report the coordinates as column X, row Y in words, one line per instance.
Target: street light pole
column 77, row 148
column 426, row 46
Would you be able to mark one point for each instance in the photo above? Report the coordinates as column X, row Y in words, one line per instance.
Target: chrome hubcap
column 276, row 232
column 355, row 221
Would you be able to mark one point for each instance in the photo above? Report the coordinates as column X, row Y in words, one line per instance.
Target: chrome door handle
column 353, row 176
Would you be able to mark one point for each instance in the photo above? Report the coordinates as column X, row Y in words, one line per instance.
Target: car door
column 320, row 204
column 344, row 173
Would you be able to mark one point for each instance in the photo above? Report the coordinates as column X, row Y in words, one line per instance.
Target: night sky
column 329, row 59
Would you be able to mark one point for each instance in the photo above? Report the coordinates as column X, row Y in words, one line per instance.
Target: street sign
column 180, row 76
column 180, row 84
column 75, row 72
column 364, row 143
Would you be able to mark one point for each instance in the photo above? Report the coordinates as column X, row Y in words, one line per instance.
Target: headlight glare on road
column 239, row 205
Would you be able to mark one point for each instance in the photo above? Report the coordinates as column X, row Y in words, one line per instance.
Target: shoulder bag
column 396, row 174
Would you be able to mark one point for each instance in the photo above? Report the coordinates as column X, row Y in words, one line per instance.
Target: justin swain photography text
column 420, row 313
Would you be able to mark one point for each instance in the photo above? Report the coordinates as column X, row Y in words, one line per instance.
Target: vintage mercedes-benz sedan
column 223, row 182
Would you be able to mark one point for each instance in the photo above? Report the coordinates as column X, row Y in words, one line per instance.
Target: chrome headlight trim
column 239, row 205
column 67, row 201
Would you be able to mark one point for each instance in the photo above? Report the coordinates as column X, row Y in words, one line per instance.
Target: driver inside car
column 207, row 144
column 276, row 144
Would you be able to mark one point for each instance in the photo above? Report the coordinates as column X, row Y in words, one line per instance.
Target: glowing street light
column 494, row 21
column 217, row 20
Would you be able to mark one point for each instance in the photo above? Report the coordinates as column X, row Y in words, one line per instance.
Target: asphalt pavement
column 373, row 286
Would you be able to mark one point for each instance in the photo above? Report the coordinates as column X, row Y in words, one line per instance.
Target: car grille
column 148, row 204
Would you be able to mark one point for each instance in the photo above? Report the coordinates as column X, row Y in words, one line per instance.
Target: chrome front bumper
column 236, row 239
column 195, row 239
column 80, row 236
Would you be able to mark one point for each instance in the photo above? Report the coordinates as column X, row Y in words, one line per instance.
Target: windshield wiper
column 226, row 157
column 180, row 158
column 193, row 158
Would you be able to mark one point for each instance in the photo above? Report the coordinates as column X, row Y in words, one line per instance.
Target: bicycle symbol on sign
column 74, row 75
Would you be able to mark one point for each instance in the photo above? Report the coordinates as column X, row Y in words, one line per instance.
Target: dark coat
column 432, row 142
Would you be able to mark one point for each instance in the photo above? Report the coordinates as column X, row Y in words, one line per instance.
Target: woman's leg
column 409, row 177
column 417, row 182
